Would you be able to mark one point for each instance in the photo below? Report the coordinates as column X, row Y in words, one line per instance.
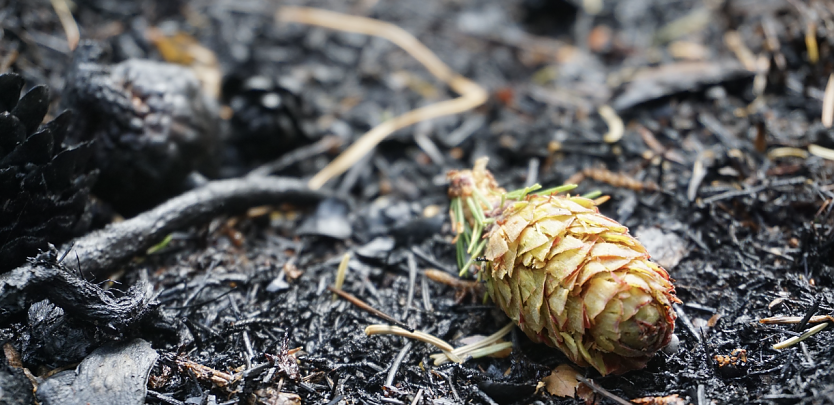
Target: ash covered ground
column 716, row 172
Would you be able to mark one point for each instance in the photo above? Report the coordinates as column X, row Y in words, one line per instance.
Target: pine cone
column 267, row 118
column 567, row 275
column 44, row 190
column 151, row 123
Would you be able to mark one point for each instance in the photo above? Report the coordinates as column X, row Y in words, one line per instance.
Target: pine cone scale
column 11, row 86
column 13, row 133
column 43, row 185
column 32, row 107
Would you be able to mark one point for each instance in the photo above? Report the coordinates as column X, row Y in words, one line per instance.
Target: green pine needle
column 593, row 194
column 557, row 190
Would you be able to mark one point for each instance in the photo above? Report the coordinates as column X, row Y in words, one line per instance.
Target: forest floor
column 720, row 170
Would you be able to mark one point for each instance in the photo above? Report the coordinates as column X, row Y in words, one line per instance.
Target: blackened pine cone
column 151, row 122
column 44, row 188
column 267, row 120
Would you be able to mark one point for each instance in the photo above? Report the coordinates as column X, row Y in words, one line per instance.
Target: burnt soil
column 744, row 227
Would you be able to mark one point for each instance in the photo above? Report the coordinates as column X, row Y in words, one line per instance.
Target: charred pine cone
column 44, row 188
column 565, row 274
column 152, row 124
column 267, row 120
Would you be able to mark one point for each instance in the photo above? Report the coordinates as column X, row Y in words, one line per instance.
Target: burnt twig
column 101, row 251
column 601, row 391
column 46, row 279
column 367, row 308
column 395, row 365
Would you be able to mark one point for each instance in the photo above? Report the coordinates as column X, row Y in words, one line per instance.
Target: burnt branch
column 101, row 251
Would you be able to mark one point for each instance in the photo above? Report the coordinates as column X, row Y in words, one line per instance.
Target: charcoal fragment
column 114, row 374
column 330, row 220
column 267, row 119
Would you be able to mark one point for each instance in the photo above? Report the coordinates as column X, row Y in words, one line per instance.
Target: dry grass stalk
column 784, row 320
column 820, row 151
column 783, row 152
column 796, row 339
column 492, row 343
column 616, row 128
column 828, row 103
column 811, row 42
column 341, row 273
column 733, row 41
column 471, row 94
column 68, row 22
column 445, row 347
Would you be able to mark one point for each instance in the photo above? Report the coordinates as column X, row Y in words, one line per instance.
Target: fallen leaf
column 585, row 393
column 562, row 381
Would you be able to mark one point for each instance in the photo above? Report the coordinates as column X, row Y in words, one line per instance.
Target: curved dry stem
column 416, row 335
column 62, row 9
column 796, row 339
column 489, row 345
column 341, row 273
column 780, row 320
column 616, row 128
column 471, row 94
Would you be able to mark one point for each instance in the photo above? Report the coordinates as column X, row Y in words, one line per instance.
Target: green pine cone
column 570, row 277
